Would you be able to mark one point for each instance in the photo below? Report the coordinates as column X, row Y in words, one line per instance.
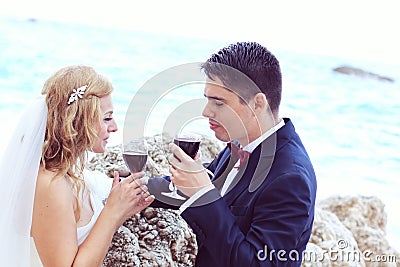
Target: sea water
column 349, row 125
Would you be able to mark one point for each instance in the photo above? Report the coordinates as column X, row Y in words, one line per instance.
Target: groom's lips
column 213, row 125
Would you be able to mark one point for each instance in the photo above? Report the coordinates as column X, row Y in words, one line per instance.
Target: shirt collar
column 251, row 146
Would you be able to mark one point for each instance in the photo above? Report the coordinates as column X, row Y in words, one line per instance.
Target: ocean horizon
column 348, row 124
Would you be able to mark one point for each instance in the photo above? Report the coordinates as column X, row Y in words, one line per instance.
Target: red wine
column 135, row 160
column 190, row 146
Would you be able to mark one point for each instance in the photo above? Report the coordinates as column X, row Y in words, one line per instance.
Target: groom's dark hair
column 253, row 60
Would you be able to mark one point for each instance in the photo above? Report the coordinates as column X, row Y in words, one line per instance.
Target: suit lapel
column 253, row 174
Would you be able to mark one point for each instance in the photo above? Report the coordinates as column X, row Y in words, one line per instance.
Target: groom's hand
column 187, row 174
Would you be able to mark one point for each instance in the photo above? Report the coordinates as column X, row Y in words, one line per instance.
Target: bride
column 43, row 193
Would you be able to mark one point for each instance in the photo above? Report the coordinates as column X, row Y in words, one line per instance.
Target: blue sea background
column 350, row 125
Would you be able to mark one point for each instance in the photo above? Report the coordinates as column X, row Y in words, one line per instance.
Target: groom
column 258, row 209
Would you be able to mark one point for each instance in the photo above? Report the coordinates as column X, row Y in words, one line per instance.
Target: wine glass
column 135, row 154
column 190, row 144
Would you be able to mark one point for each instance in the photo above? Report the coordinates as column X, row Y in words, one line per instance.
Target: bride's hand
column 128, row 196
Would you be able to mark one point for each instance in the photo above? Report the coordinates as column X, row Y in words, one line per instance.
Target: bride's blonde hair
column 72, row 129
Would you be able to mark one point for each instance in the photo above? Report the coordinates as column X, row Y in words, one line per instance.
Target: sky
column 347, row 28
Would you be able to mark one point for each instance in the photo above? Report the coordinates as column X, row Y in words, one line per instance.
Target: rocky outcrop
column 347, row 230
column 156, row 236
column 350, row 231
column 330, row 235
column 361, row 73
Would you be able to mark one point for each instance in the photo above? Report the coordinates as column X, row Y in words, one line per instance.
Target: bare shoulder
column 53, row 221
column 50, row 186
column 53, row 205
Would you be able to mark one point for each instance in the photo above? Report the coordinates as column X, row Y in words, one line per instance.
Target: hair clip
column 76, row 94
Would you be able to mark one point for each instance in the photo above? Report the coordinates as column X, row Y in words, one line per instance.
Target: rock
column 374, row 244
column 357, row 211
column 332, row 237
column 328, row 227
column 124, row 249
column 173, row 244
column 365, row 217
column 354, row 226
column 361, row 73
column 161, row 237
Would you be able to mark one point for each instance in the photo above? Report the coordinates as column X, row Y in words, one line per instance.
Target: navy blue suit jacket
column 265, row 218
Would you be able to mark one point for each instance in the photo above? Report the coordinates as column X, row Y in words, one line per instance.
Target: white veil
column 18, row 172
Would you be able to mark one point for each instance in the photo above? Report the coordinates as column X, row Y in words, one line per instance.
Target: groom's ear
column 260, row 103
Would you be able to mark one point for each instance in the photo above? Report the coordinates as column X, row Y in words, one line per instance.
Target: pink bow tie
column 237, row 151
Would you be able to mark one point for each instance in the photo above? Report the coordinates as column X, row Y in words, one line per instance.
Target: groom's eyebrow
column 214, row 97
